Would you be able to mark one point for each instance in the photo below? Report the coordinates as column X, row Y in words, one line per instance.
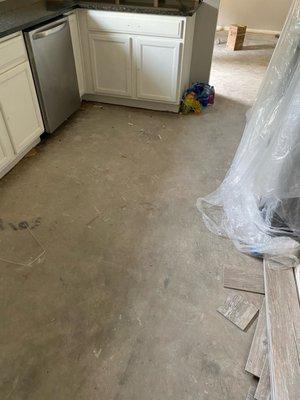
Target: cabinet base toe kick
column 15, row 160
column 149, row 105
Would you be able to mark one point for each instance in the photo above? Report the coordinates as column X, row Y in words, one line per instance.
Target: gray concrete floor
column 123, row 304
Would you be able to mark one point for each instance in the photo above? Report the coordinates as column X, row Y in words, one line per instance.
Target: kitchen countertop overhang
column 17, row 15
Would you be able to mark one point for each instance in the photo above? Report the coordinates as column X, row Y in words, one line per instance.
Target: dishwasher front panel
column 52, row 61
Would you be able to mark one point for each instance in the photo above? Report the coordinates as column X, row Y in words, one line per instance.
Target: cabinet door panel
column 6, row 150
column 20, row 106
column 111, row 64
column 157, row 64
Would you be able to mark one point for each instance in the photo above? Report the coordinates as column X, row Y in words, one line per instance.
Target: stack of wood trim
column 274, row 355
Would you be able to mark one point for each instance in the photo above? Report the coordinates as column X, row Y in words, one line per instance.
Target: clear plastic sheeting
column 257, row 205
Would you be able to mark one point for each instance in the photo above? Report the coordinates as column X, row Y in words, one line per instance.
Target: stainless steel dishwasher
column 53, row 66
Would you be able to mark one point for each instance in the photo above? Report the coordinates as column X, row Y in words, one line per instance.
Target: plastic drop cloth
column 258, row 204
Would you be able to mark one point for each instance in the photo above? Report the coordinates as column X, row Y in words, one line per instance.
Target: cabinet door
column 77, row 51
column 111, row 64
column 20, row 108
column 157, row 64
column 6, row 150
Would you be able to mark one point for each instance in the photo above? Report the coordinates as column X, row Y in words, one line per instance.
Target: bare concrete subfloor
column 123, row 304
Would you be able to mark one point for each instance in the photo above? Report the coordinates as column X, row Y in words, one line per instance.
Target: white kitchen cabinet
column 157, row 66
column 19, row 107
column 75, row 37
column 111, row 63
column 135, row 59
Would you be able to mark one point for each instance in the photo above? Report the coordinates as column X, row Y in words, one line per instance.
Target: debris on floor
column 197, row 97
column 32, row 153
column 98, row 106
column 275, row 348
column 26, row 248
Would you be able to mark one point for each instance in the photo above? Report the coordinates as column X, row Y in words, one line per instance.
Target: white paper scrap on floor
column 258, row 204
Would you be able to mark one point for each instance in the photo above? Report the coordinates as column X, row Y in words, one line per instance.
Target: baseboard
column 264, row 31
column 15, row 161
column 251, row 30
column 150, row 105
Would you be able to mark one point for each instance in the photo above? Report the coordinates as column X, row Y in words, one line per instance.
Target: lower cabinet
column 20, row 118
column 157, row 63
column 111, row 63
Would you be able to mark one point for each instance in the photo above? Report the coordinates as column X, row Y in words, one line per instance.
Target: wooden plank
column 245, row 278
column 297, row 277
column 251, row 392
column 259, row 346
column 236, row 36
column 238, row 310
column 263, row 390
column 283, row 330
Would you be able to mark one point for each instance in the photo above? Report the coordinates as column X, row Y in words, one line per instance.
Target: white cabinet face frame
column 111, row 63
column 20, row 108
column 76, row 42
column 6, row 150
column 157, row 65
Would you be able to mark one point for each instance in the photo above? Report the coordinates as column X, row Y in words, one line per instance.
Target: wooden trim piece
column 297, row 278
column 263, row 390
column 250, row 279
column 283, row 330
column 251, row 30
column 259, row 346
column 250, row 394
column 238, row 310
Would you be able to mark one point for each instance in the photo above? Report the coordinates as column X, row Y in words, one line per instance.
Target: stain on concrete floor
column 123, row 306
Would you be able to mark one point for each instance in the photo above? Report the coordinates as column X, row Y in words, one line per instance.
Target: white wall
column 256, row 14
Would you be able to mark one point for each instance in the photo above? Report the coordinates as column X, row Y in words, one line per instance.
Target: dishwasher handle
column 51, row 31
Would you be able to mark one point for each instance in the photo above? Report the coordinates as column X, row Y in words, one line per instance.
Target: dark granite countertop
column 17, row 15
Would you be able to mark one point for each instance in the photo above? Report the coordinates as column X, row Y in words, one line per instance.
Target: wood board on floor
column 263, row 390
column 283, row 330
column 244, row 278
column 238, row 310
column 251, row 392
column 259, row 346
column 297, row 277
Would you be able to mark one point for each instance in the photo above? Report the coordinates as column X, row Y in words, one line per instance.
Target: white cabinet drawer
column 139, row 24
column 12, row 52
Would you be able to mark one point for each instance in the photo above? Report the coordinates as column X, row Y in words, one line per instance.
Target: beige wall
column 256, row 14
